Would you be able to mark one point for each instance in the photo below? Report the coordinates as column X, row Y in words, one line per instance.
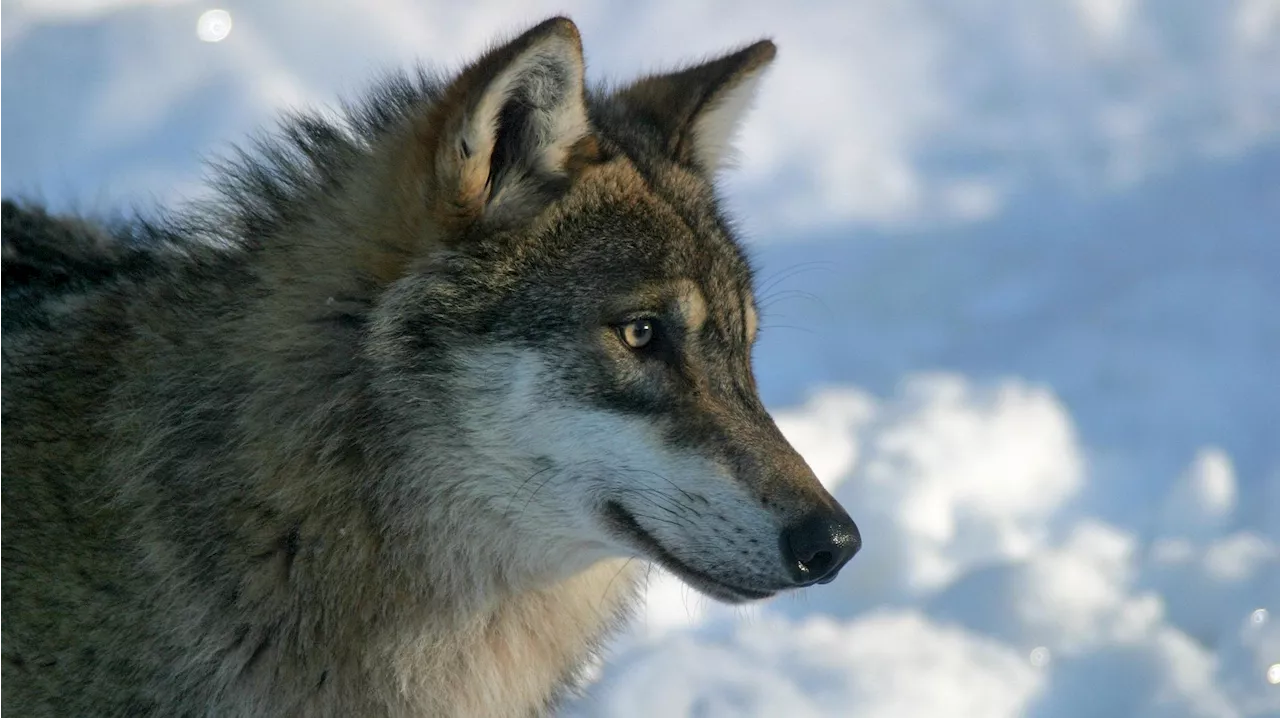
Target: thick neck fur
column 304, row 569
column 323, row 559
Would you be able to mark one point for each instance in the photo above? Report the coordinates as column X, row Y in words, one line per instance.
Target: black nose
column 819, row 545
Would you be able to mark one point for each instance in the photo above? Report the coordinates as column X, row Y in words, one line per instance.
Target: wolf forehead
column 633, row 230
column 622, row 235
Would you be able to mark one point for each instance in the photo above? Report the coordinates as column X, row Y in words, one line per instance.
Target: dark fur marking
column 289, row 546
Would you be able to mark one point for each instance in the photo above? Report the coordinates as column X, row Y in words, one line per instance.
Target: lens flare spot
column 213, row 25
column 1040, row 657
column 1273, row 674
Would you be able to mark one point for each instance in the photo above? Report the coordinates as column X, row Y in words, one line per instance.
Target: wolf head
column 564, row 323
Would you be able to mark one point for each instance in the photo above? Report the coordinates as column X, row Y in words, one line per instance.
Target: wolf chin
column 384, row 429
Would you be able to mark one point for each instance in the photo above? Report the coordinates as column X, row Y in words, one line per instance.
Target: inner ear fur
column 696, row 111
column 503, row 138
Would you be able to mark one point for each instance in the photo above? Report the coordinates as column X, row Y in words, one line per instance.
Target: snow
column 1021, row 275
column 891, row 662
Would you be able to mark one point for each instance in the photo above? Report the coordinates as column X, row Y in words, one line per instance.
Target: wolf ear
column 696, row 111
column 510, row 129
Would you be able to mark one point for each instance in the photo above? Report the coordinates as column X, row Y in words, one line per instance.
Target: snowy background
column 1021, row 263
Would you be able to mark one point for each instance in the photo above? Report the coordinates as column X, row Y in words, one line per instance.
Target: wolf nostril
column 819, row 545
column 818, row 563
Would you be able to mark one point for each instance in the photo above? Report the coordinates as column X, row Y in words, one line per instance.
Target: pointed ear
column 697, row 111
column 510, row 129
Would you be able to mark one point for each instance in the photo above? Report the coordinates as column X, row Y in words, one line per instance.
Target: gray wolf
column 382, row 431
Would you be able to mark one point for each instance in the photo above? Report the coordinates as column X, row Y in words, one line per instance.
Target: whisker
column 768, row 301
column 524, row 483
column 533, row 494
column 604, row 596
column 674, row 485
column 793, row 270
column 644, row 494
column 771, row 325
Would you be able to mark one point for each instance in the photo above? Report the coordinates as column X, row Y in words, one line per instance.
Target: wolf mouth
column 627, row 528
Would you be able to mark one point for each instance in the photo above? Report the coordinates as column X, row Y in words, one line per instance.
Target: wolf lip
column 626, row 526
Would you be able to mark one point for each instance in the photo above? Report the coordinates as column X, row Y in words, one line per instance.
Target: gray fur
column 352, row 440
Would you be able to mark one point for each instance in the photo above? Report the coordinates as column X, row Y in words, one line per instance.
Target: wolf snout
column 819, row 545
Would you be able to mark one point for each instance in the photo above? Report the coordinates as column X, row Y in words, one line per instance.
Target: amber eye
column 637, row 333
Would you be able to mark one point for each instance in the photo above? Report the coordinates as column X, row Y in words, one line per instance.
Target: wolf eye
column 637, row 333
